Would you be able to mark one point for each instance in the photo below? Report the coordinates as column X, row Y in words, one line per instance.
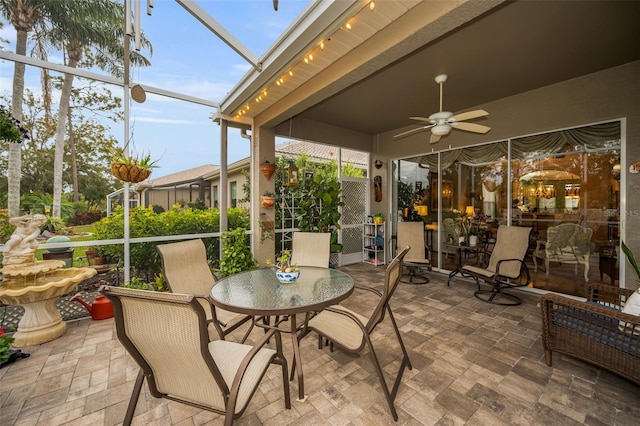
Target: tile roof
column 188, row 175
column 321, row 152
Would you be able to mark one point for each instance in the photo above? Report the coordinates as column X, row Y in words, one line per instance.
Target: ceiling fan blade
column 470, row 127
column 425, row 119
column 434, row 138
column 410, row 132
column 469, row 115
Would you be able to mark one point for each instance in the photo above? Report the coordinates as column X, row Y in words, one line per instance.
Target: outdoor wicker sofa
column 595, row 331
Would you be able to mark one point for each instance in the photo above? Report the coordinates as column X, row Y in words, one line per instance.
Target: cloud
column 166, row 121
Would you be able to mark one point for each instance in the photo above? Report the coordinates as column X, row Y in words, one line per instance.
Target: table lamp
column 422, row 210
column 470, row 211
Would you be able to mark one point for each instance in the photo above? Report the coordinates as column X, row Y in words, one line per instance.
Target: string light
column 306, row 59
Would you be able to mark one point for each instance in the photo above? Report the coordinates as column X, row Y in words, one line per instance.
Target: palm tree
column 23, row 15
column 70, row 26
column 86, row 24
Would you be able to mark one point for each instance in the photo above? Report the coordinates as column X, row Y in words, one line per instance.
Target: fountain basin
column 37, row 293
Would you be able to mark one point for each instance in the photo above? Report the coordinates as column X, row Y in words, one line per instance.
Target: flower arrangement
column 10, row 129
column 5, row 346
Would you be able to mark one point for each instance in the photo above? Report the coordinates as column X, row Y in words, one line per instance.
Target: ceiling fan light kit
column 442, row 122
column 441, row 129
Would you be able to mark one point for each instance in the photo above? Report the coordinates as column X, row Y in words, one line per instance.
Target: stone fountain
column 35, row 285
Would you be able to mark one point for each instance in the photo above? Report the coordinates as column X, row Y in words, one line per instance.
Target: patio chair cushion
column 229, row 355
column 342, row 329
column 632, row 307
column 601, row 328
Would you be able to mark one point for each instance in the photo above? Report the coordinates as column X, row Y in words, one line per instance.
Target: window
column 233, row 190
column 215, row 196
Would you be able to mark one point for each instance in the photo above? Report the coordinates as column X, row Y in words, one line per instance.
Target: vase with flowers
column 285, row 271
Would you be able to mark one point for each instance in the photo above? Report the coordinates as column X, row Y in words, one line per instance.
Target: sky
column 189, row 59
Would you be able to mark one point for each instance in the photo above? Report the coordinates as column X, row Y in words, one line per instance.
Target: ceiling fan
column 442, row 122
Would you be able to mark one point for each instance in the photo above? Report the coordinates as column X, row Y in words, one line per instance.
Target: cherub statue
column 23, row 243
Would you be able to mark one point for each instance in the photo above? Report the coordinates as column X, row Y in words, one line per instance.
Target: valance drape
column 585, row 138
column 580, row 139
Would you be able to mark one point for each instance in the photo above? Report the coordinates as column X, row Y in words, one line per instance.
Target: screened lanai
column 559, row 84
column 350, row 74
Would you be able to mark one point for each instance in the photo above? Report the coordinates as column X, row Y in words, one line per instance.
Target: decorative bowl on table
column 287, row 277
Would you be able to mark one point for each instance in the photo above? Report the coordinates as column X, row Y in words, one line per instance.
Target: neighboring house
column 204, row 181
column 177, row 188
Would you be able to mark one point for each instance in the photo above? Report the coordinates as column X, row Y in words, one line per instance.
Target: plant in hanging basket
column 131, row 168
column 267, row 169
column 268, row 200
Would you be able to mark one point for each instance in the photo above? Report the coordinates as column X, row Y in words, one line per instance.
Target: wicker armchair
column 595, row 331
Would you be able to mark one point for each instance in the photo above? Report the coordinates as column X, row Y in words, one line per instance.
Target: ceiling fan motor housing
column 441, row 129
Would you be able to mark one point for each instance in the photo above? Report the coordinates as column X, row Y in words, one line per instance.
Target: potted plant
column 285, row 271
column 268, row 200
column 267, row 169
column 131, row 168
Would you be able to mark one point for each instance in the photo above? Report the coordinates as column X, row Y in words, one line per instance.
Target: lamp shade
column 422, row 210
column 469, row 211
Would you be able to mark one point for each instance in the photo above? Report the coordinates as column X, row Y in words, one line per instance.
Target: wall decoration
column 377, row 187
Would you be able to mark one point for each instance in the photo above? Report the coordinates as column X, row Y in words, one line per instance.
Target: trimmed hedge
column 144, row 222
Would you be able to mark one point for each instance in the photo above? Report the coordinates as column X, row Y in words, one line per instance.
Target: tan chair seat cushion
column 229, row 355
column 479, row 271
column 342, row 329
column 417, row 261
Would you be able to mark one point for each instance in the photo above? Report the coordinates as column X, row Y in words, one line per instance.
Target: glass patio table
column 260, row 294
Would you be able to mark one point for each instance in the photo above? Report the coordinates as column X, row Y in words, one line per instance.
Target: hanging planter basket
column 129, row 172
column 267, row 202
column 267, row 169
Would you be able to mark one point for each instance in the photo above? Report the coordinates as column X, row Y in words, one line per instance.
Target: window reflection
column 540, row 181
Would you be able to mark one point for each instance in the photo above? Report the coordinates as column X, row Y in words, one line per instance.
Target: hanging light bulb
column 372, row 5
column 306, row 60
column 290, row 73
column 322, row 44
column 348, row 26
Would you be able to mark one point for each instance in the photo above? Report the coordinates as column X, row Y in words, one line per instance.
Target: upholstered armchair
column 566, row 243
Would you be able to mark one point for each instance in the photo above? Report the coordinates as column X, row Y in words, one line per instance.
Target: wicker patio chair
column 311, row 249
column 506, row 267
column 187, row 271
column 351, row 330
column 412, row 234
column 595, row 331
column 166, row 334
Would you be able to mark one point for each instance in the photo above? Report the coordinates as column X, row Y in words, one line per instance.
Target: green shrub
column 6, row 229
column 236, row 255
column 144, row 222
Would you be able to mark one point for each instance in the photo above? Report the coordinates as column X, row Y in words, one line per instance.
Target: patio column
column 262, row 149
